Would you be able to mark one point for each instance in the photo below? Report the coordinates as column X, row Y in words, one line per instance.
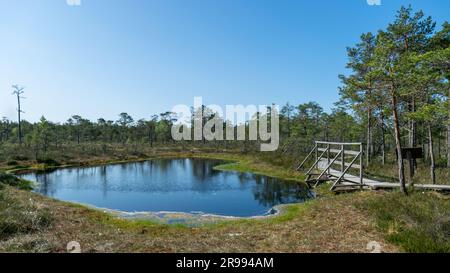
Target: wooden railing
column 329, row 154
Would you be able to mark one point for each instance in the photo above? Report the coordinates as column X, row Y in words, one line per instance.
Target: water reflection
column 184, row 185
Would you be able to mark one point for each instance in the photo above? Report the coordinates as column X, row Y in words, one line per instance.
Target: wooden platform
column 351, row 181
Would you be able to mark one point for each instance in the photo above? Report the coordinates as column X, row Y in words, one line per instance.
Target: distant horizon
column 103, row 58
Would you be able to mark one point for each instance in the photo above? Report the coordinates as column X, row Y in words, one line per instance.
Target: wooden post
column 317, row 151
column 411, row 168
column 343, row 158
column 328, row 156
column 361, row 167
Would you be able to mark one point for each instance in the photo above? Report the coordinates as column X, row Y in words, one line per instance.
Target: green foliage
column 11, row 163
column 11, row 180
column 20, row 158
column 434, row 113
column 49, row 162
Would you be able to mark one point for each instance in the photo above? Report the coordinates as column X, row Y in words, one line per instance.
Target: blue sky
column 144, row 56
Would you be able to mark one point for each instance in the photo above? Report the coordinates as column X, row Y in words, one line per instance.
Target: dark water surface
column 175, row 185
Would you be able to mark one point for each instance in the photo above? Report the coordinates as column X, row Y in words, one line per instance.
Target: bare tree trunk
column 412, row 126
column 439, row 146
column 425, row 151
column 19, row 111
column 45, row 144
column 36, row 151
column 448, row 132
column 18, row 91
column 448, row 144
column 383, row 140
column 150, row 137
column 398, row 144
column 369, row 136
column 433, row 165
column 383, row 149
column 289, row 125
column 412, row 132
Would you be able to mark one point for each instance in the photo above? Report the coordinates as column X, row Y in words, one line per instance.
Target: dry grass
column 389, row 173
column 331, row 224
column 419, row 222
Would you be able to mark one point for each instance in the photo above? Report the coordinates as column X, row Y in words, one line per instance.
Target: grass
column 389, row 173
column 313, row 227
column 419, row 222
column 11, row 180
column 331, row 223
column 255, row 164
column 20, row 216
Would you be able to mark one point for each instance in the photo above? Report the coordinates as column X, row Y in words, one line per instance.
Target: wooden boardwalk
column 350, row 181
column 328, row 155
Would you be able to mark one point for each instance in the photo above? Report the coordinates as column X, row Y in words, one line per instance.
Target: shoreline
column 198, row 218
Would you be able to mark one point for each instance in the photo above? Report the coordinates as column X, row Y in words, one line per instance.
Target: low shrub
column 48, row 162
column 12, row 163
column 20, row 158
column 11, row 180
column 419, row 222
column 20, row 217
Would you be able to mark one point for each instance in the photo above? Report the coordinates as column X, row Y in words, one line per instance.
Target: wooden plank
column 354, row 166
column 433, row 187
column 379, row 185
column 339, row 143
column 387, row 185
column 351, row 180
column 336, row 151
